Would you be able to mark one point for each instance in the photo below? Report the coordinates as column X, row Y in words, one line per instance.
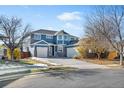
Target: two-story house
column 47, row 43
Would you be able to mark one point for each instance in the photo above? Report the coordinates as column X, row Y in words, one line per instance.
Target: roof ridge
column 46, row 30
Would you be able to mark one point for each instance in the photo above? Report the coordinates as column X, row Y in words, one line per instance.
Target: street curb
column 15, row 75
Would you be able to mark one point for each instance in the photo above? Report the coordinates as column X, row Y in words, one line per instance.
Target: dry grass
column 101, row 62
column 32, row 61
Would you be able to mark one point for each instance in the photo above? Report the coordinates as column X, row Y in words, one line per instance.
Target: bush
column 91, row 55
column 105, row 54
column 77, row 57
column 16, row 53
column 84, row 52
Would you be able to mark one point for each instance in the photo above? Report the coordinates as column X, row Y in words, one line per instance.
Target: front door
column 60, row 50
column 51, row 51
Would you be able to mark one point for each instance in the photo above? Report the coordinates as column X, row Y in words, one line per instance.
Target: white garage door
column 42, row 51
column 71, row 52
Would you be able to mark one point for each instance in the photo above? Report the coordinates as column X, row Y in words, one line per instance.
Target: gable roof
column 44, row 31
column 51, row 32
column 42, row 42
column 61, row 32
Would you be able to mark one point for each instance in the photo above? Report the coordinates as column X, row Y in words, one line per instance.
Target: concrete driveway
column 73, row 63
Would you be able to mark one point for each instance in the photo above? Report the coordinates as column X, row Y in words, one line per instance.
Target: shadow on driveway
column 69, row 74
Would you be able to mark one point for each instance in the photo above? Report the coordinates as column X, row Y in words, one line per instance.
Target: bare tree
column 108, row 22
column 12, row 29
column 93, row 44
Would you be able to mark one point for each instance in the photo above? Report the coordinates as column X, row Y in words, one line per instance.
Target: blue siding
column 60, row 42
column 66, row 42
column 43, row 37
column 32, row 35
column 54, row 40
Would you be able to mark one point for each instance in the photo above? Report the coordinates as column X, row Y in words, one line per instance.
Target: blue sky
column 69, row 18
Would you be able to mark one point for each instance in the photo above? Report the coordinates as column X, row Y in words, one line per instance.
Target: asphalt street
column 86, row 75
column 85, row 78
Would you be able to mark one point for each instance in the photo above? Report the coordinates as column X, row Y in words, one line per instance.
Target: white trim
column 41, row 44
column 44, row 34
column 40, row 41
column 67, row 37
column 38, row 37
column 58, row 48
column 49, row 36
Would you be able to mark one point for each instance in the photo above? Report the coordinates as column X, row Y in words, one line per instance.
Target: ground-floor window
column 60, row 48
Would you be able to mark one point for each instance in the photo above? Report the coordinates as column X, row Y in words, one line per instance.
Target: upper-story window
column 60, row 37
column 72, row 38
column 65, row 38
column 60, row 42
column 37, row 37
column 49, row 36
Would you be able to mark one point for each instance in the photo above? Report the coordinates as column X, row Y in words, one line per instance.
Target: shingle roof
column 43, row 31
column 61, row 32
column 51, row 32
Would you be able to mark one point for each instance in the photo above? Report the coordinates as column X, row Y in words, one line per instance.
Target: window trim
column 49, row 36
column 59, row 37
column 66, row 37
column 60, row 41
column 37, row 37
column 60, row 48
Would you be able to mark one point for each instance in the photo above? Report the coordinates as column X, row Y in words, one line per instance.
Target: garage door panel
column 42, row 51
column 71, row 52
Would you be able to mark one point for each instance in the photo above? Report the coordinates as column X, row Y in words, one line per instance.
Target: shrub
column 83, row 52
column 105, row 54
column 8, row 53
column 91, row 55
column 16, row 52
column 112, row 55
column 77, row 57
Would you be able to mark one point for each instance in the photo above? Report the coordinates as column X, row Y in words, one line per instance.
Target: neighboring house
column 47, row 43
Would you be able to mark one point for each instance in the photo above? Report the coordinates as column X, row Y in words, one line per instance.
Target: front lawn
column 33, row 61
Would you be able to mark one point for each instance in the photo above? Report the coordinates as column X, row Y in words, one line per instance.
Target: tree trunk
column 121, row 55
column 98, row 56
column 12, row 55
column 121, row 59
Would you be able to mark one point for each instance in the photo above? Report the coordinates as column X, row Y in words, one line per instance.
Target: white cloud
column 72, row 26
column 68, row 16
column 74, row 29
